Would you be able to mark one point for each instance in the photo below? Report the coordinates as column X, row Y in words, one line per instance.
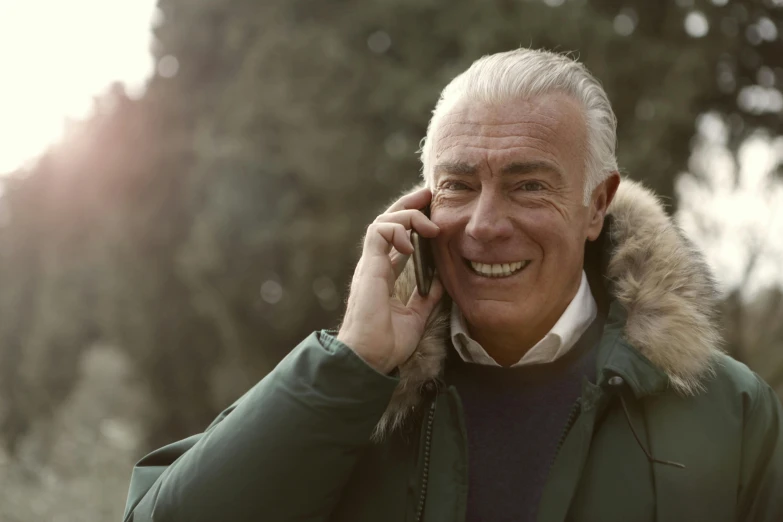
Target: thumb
column 423, row 306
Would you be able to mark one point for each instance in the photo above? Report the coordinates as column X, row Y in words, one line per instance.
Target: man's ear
column 599, row 203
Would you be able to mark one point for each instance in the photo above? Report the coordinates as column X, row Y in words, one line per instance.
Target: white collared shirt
column 578, row 316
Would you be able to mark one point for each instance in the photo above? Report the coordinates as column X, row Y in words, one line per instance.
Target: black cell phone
column 423, row 262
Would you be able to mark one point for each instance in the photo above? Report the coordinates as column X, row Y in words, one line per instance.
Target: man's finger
column 423, row 306
column 398, row 261
column 411, row 219
column 381, row 237
column 415, row 200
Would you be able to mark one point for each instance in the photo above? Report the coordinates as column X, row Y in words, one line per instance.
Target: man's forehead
column 543, row 129
column 550, row 108
column 544, row 115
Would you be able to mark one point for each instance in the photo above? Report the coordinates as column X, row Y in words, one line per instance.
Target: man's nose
column 489, row 221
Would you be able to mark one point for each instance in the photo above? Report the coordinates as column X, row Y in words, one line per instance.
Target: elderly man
column 564, row 366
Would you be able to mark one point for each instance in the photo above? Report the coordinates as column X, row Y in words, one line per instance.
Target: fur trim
column 424, row 365
column 665, row 286
column 658, row 277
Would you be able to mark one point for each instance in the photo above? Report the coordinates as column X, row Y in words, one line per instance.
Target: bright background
column 72, row 51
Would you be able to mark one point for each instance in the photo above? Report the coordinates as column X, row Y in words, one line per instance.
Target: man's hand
column 379, row 328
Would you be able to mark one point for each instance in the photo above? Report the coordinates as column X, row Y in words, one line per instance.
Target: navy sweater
column 515, row 418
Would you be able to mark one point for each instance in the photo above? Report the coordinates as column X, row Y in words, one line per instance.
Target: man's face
column 508, row 185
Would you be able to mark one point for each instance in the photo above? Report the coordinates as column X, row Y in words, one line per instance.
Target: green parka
column 672, row 429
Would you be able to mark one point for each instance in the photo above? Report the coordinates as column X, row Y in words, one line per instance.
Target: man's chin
column 497, row 315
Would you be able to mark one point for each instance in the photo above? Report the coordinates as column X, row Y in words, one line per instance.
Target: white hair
column 523, row 74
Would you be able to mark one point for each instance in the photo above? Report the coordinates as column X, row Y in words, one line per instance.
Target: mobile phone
column 423, row 262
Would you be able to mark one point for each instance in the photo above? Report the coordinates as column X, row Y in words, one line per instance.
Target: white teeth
column 498, row 270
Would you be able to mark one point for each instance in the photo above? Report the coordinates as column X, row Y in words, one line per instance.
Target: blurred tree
column 208, row 226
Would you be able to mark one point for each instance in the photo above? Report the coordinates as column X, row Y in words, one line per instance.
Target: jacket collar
column 654, row 287
column 617, row 356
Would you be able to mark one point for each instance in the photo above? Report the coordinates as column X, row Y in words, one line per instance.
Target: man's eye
column 531, row 186
column 454, row 185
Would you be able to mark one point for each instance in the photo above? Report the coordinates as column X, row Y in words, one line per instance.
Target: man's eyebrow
column 461, row 168
column 458, row 168
column 527, row 167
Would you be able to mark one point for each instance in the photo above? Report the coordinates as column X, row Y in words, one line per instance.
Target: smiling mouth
column 498, row 270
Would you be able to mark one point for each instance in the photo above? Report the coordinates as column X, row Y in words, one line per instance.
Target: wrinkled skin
column 508, row 184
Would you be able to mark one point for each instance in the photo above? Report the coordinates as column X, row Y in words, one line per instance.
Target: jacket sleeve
column 283, row 452
column 761, row 486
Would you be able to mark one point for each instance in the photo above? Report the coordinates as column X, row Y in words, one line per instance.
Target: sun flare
column 55, row 57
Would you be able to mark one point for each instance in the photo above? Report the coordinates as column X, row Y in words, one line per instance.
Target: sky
column 55, row 56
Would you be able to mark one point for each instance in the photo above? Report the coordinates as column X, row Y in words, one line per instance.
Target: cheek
column 562, row 249
column 449, row 219
column 450, row 227
column 440, row 247
column 554, row 237
column 446, row 264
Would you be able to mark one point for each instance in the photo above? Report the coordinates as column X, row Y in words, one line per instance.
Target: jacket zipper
column 426, row 472
column 575, row 409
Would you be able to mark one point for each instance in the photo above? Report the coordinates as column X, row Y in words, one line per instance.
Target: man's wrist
column 380, row 365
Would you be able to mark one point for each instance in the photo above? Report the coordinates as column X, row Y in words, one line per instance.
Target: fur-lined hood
column 654, row 273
